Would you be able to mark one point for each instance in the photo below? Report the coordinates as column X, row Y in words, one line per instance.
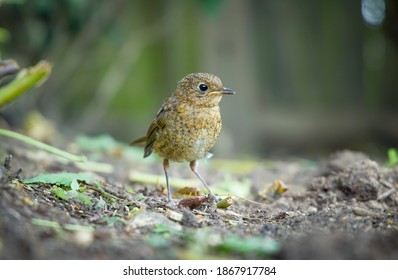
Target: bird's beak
column 227, row 91
column 223, row 91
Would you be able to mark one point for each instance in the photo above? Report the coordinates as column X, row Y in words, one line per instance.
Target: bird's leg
column 193, row 165
column 166, row 168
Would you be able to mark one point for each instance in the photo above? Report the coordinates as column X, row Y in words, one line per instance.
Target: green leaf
column 60, row 193
column 140, row 197
column 83, row 198
column 62, row 179
column 112, row 220
column 69, row 180
column 76, row 193
column 74, row 185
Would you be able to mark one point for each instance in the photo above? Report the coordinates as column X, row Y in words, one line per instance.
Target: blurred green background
column 311, row 76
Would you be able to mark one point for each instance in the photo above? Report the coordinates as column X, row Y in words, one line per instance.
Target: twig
column 385, row 195
column 226, row 202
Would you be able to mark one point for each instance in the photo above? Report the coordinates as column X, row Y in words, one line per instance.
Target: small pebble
column 363, row 212
column 312, row 210
column 83, row 238
column 174, row 216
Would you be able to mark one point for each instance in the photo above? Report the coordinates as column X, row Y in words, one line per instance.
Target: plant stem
column 26, row 79
column 42, row 145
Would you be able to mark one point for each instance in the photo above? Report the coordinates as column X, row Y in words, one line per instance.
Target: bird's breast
column 189, row 133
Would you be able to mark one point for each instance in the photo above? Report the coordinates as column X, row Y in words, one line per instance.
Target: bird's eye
column 203, row 87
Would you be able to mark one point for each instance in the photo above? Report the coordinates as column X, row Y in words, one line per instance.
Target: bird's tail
column 139, row 142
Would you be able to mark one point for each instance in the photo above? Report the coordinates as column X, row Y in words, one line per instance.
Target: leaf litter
column 344, row 207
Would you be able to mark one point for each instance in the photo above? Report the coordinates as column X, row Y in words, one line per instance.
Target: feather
column 158, row 123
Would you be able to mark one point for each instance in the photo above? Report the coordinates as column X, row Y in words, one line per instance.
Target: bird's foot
column 212, row 197
column 170, row 203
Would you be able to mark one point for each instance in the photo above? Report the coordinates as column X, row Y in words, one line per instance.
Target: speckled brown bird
column 188, row 123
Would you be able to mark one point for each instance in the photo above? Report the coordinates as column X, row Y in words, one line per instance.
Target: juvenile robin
column 188, row 123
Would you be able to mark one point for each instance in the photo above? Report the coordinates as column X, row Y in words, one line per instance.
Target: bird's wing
column 158, row 123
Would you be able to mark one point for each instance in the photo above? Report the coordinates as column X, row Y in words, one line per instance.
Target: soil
column 342, row 208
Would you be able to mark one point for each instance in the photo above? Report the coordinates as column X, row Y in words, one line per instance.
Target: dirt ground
column 344, row 207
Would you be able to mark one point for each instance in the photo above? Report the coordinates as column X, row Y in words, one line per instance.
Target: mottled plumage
column 188, row 123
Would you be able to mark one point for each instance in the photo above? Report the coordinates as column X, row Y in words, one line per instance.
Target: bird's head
column 201, row 89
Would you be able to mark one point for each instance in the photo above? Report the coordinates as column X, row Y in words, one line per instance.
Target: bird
column 187, row 124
